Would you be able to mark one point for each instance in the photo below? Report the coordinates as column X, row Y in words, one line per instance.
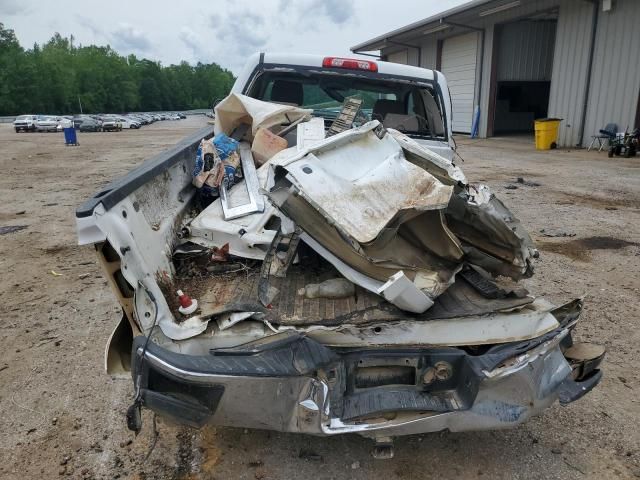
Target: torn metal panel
column 437, row 165
column 363, row 185
column 358, row 197
column 492, row 237
column 530, row 322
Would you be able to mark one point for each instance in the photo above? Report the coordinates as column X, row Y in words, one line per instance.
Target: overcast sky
column 218, row 31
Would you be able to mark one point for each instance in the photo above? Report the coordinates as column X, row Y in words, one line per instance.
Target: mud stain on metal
column 580, row 248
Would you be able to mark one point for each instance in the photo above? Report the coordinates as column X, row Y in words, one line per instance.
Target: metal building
column 509, row 62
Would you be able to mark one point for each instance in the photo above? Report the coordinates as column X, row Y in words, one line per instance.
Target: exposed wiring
column 154, row 441
column 455, row 148
column 137, row 401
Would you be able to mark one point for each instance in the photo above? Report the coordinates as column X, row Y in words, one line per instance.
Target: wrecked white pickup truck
column 317, row 263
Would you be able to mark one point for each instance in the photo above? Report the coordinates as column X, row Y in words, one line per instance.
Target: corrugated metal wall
column 570, row 61
column 616, row 69
column 429, row 53
column 398, row 57
column 489, row 22
column 526, row 51
column 615, row 81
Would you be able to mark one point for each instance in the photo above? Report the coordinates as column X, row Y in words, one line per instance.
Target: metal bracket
column 256, row 200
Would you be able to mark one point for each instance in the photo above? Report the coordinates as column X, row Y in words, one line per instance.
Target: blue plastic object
column 224, row 145
column 70, row 137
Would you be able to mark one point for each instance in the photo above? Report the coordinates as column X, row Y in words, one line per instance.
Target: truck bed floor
column 238, row 292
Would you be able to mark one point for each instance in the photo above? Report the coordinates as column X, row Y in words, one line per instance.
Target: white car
column 128, row 122
column 111, row 124
column 25, row 123
column 49, row 124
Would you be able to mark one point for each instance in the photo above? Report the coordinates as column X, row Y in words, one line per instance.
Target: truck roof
column 309, row 60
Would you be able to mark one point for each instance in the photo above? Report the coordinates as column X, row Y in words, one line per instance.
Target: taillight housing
column 350, row 64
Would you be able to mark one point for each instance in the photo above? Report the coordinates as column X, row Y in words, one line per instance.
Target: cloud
column 127, row 38
column 190, row 39
column 90, row 25
column 13, row 7
column 338, row 11
column 304, row 14
column 242, row 33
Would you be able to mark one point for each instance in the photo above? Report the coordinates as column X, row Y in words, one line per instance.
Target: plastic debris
column 217, row 162
column 188, row 305
column 266, row 145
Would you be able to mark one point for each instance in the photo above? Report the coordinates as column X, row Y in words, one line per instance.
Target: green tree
column 57, row 76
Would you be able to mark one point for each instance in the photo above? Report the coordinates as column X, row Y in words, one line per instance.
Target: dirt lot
column 62, row 415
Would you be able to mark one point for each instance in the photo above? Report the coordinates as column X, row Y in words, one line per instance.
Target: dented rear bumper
column 292, row 383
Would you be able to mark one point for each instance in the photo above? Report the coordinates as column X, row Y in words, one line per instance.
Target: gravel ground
column 62, row 416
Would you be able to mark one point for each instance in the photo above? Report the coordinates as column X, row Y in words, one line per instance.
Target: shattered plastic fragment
column 404, row 294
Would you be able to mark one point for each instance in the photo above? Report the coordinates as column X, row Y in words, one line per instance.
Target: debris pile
column 391, row 216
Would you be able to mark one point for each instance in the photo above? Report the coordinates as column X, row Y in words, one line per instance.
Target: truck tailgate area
column 238, row 292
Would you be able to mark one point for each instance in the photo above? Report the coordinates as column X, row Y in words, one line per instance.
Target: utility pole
column 79, row 102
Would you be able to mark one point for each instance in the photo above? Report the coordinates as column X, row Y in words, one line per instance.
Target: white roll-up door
column 459, row 67
column 399, row 57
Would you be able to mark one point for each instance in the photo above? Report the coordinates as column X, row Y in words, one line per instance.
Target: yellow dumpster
column 547, row 133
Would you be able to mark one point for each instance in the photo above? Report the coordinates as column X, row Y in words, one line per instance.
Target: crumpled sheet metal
column 492, row 237
column 358, row 197
column 237, row 109
column 365, row 184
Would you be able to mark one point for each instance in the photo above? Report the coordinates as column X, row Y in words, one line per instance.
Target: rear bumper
column 295, row 384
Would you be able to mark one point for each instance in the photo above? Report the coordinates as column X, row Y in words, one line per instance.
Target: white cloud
column 127, row 38
column 221, row 32
column 13, row 7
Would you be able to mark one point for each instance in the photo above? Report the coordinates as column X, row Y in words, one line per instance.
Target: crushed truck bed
column 238, row 292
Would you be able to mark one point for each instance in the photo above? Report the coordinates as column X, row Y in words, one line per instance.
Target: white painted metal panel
column 570, row 63
column 459, row 67
column 615, row 78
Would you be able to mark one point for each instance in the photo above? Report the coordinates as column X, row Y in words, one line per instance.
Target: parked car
column 139, row 118
column 418, row 337
column 128, row 122
column 48, row 124
column 110, row 124
column 25, row 123
column 89, row 124
column 182, row 115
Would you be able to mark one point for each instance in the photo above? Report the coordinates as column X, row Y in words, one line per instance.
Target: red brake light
column 349, row 63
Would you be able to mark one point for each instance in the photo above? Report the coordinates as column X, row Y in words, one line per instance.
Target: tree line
column 58, row 77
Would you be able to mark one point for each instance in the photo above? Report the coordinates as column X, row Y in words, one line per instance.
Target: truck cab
column 412, row 100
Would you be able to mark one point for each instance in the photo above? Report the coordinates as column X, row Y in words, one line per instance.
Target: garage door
column 399, row 57
column 459, row 67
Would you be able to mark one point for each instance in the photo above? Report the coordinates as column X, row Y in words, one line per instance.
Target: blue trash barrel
column 70, row 137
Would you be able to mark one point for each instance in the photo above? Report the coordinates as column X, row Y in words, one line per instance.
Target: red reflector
column 349, row 63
